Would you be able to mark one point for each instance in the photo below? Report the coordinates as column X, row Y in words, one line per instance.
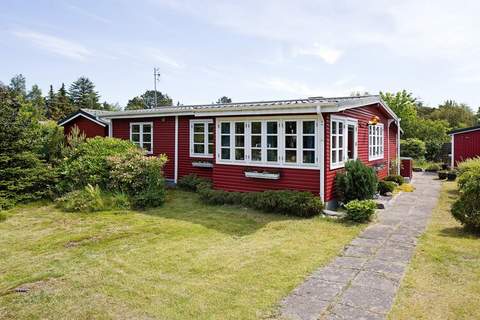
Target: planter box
column 202, row 164
column 262, row 175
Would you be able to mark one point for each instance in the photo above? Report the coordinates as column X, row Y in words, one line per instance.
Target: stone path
column 362, row 282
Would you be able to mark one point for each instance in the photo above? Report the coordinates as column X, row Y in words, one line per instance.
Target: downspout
column 452, row 161
column 110, row 129
column 175, row 173
column 398, row 146
column 321, row 151
column 388, row 144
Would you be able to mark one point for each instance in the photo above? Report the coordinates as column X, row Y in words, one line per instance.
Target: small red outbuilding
column 88, row 121
column 465, row 144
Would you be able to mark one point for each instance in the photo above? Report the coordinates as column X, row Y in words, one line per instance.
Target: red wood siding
column 364, row 115
column 466, row 145
column 393, row 141
column 184, row 160
column 163, row 137
column 232, row 178
column 87, row 126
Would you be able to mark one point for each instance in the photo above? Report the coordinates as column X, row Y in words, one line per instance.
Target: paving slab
column 361, row 283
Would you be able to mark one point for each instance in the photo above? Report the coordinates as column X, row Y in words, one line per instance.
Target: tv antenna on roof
column 156, row 77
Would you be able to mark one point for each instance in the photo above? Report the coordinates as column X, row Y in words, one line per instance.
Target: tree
column 59, row 104
column 458, row 115
column 147, row 101
column 224, row 99
column 403, row 104
column 111, row 107
column 49, row 102
column 423, row 111
column 18, row 85
column 83, row 95
column 35, row 97
column 434, row 134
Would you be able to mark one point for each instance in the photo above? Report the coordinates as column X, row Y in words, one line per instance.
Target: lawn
column 184, row 260
column 443, row 281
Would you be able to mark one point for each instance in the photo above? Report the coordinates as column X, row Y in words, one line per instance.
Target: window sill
column 268, row 165
column 337, row 166
column 262, row 175
column 376, row 158
column 209, row 156
column 202, row 164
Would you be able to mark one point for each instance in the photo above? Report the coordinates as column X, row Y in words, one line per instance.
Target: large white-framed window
column 201, row 138
column 272, row 142
column 343, row 141
column 375, row 142
column 141, row 133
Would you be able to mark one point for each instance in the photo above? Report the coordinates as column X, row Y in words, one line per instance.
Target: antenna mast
column 156, row 77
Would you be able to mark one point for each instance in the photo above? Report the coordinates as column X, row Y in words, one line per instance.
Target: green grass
column 443, row 281
column 420, row 163
column 182, row 261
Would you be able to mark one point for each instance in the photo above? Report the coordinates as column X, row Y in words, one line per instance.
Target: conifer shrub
column 357, row 182
column 385, row 187
column 398, row 179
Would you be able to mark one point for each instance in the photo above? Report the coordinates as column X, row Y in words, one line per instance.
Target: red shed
column 88, row 121
column 253, row 146
column 465, row 144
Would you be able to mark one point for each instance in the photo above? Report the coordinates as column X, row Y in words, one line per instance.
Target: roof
column 474, row 128
column 302, row 105
column 91, row 114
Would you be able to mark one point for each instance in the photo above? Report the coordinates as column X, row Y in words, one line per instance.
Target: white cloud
column 327, row 54
column 89, row 14
column 55, row 44
column 159, row 56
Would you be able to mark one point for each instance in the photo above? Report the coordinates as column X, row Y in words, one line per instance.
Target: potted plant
column 451, row 175
column 442, row 175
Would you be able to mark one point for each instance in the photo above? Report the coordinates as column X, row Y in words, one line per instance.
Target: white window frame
column 376, row 141
column 344, row 122
column 141, row 132
column 206, row 141
column 264, row 139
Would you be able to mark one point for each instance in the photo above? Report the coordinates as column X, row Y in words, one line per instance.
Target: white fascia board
column 147, row 115
column 454, row 133
column 81, row 114
column 251, row 112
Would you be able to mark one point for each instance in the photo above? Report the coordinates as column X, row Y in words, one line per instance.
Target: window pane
column 225, row 141
column 340, row 155
column 239, row 141
column 198, row 127
column 334, row 156
column 340, row 128
column 225, row 127
column 135, row 137
column 272, row 128
column 272, row 155
column 239, row 154
column 210, row 128
column 198, row 138
column 290, row 127
column 340, row 141
column 210, row 149
column 239, row 127
column 290, row 155
column 147, row 137
column 256, row 141
column 256, row 155
column 256, row 127
column 308, row 156
column 198, row 148
column 290, row 142
column 147, row 146
column 309, row 142
column 308, row 127
column 135, row 128
column 147, row 128
column 210, row 138
column 334, row 127
column 334, row 142
column 272, row 141
column 226, row 153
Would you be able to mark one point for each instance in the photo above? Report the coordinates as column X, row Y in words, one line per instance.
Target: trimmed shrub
column 468, row 165
column 433, row 167
column 87, row 162
column 88, row 199
column 358, row 182
column 395, row 178
column 414, row 148
column 294, row 203
column 192, row 182
column 360, row 210
column 140, row 177
column 386, row 186
column 467, row 207
column 442, row 175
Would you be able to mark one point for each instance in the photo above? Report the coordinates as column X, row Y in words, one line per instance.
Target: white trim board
column 81, row 114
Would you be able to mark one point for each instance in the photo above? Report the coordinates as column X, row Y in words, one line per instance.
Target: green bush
column 88, row 199
column 192, row 182
column 358, row 182
column 295, row 203
column 434, row 167
column 467, row 207
column 414, row 148
column 87, row 162
column 140, row 177
column 395, row 178
column 386, row 186
column 360, row 210
column 3, row 216
column 468, row 165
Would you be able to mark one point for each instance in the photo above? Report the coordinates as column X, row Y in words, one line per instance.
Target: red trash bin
column 406, row 167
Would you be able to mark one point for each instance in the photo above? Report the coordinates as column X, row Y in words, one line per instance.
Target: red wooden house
column 88, row 121
column 465, row 144
column 254, row 146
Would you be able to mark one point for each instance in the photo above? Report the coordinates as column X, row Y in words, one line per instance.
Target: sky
column 248, row 50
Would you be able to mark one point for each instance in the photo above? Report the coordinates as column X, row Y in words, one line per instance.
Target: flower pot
column 442, row 175
column 451, row 176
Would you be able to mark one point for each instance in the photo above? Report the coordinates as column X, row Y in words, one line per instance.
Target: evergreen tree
column 49, row 103
column 34, row 96
column 147, row 101
column 83, row 95
column 18, row 85
column 63, row 102
column 135, row 103
column 224, row 99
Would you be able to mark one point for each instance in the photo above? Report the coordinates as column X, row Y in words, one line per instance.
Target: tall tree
column 147, row 101
column 35, row 97
column 224, row 99
column 458, row 115
column 49, row 102
column 59, row 104
column 403, row 104
column 83, row 95
column 18, row 85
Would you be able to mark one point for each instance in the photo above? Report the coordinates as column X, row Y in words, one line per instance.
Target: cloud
column 89, row 14
column 327, row 54
column 55, row 44
column 159, row 56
